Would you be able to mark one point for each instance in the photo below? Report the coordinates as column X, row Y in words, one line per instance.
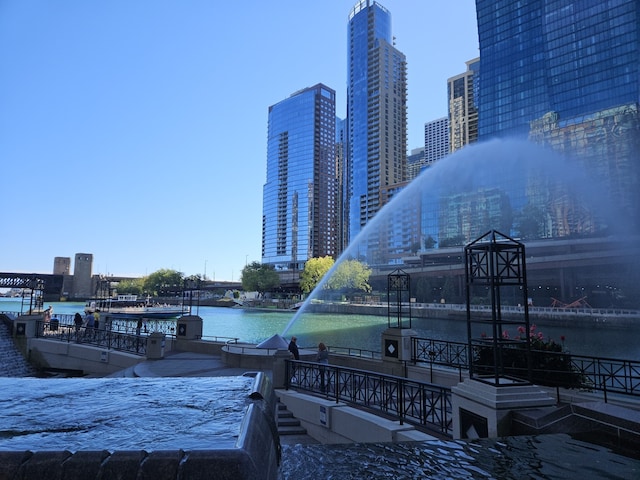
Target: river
column 364, row 331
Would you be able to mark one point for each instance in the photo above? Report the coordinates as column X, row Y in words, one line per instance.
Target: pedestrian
column 89, row 323
column 77, row 320
column 47, row 314
column 293, row 348
column 323, row 354
column 96, row 319
column 323, row 359
column 138, row 330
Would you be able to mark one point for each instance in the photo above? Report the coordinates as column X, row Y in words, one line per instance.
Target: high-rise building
column 376, row 112
column 436, row 140
column 415, row 163
column 462, row 91
column 566, row 74
column 299, row 219
column 341, row 161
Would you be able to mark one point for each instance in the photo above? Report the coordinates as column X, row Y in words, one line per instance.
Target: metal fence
column 418, row 403
column 68, row 332
column 558, row 369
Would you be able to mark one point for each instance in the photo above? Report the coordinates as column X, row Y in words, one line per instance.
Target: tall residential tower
column 376, row 112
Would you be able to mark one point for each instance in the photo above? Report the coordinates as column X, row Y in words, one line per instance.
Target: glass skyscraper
column 566, row 74
column 376, row 113
column 300, row 196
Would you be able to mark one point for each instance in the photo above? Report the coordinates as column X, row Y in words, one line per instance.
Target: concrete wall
column 90, row 359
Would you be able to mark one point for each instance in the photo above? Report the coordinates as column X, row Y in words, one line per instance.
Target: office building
column 565, row 74
column 376, row 112
column 300, row 195
column 462, row 91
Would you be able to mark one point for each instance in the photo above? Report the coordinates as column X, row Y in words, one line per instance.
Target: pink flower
column 521, row 329
column 505, row 334
column 540, row 336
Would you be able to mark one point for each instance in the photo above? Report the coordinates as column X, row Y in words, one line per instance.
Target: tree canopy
column 163, row 282
column 314, row 270
column 259, row 277
column 350, row 275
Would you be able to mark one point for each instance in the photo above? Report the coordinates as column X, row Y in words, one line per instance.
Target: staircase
column 289, row 428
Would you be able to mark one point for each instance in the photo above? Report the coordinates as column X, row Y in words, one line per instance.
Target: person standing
column 89, row 323
column 323, row 359
column 293, row 348
column 138, row 331
column 77, row 320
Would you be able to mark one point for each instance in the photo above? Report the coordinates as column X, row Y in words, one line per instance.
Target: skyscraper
column 436, row 140
column 566, row 74
column 463, row 112
column 376, row 112
column 299, row 219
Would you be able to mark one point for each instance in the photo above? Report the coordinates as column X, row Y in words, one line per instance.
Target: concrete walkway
column 186, row 364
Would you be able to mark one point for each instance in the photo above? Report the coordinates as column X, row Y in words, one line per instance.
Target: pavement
column 185, row 364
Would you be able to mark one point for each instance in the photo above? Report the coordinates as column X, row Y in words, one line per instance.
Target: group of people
column 91, row 322
column 321, row 357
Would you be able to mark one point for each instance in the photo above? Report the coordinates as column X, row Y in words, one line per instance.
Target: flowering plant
column 550, row 364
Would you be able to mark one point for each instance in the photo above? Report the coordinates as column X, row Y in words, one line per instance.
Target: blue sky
column 136, row 130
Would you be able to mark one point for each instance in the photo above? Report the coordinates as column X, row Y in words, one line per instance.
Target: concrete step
column 291, row 430
column 287, row 423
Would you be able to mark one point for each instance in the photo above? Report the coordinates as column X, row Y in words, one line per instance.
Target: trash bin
column 53, row 324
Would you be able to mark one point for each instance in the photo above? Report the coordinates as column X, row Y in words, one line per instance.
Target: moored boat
column 130, row 306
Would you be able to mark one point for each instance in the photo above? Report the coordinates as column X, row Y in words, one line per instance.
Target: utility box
column 155, row 346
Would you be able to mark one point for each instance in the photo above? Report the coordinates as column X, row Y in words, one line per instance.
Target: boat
column 131, row 307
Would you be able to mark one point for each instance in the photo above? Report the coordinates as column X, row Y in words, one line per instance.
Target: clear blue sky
column 136, row 130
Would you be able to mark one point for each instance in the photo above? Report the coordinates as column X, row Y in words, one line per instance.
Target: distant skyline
column 136, row 131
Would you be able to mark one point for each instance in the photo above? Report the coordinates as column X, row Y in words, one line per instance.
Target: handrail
column 419, row 403
column 66, row 332
column 562, row 369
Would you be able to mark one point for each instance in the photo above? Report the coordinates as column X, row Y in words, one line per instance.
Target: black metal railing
column 68, row 332
column 557, row 369
column 419, row 403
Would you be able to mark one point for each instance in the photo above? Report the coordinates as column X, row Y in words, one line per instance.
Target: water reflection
column 545, row 457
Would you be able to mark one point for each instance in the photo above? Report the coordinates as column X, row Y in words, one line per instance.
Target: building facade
column 565, row 74
column 436, row 140
column 376, row 113
column 300, row 196
column 462, row 91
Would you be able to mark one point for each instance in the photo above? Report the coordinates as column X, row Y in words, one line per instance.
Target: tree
column 259, row 277
column 314, row 270
column 134, row 286
column 350, row 275
column 164, row 282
